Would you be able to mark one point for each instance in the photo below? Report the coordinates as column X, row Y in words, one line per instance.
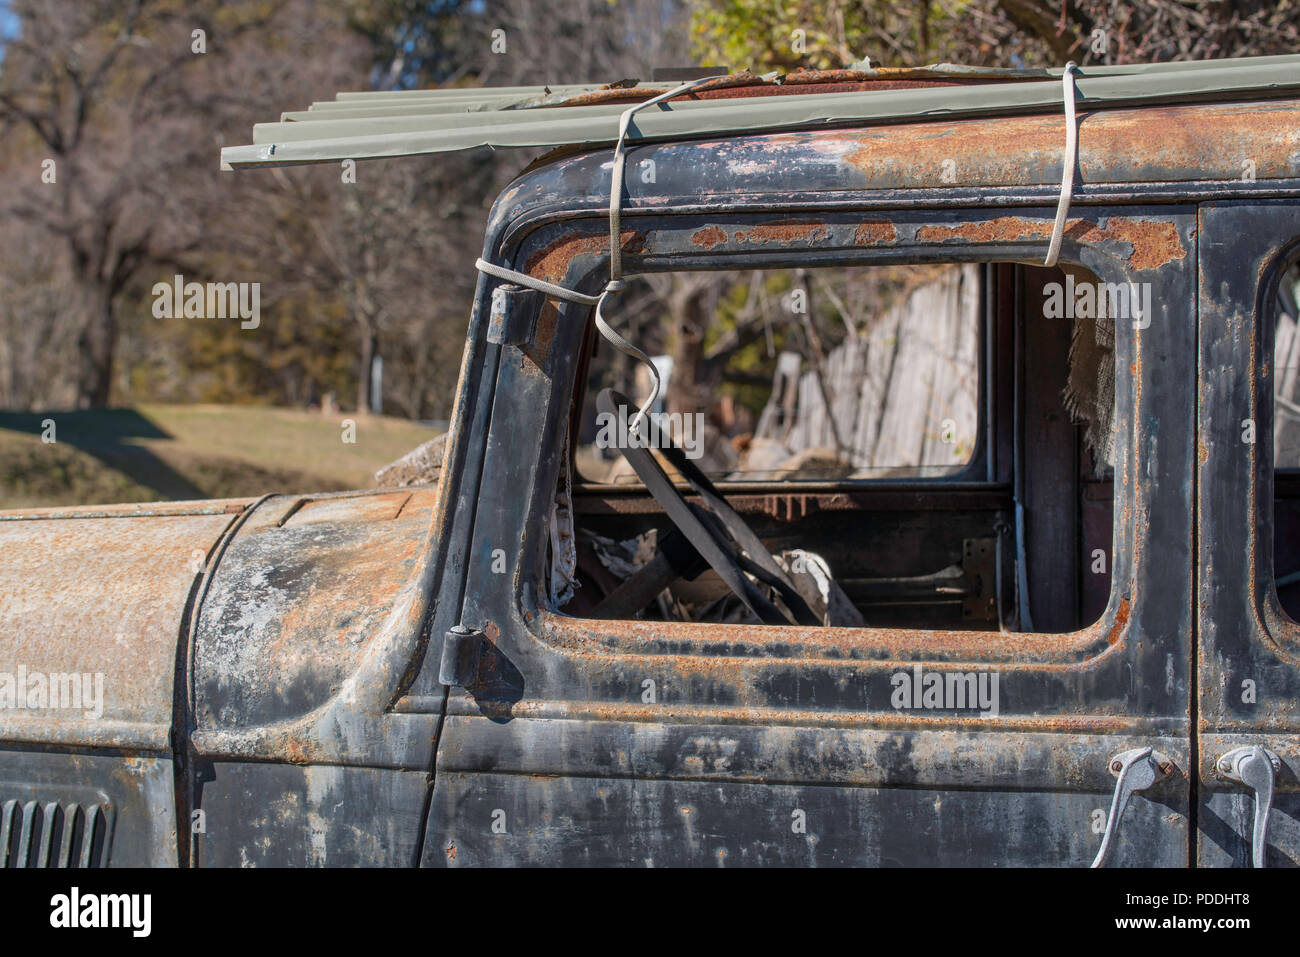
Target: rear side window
column 796, row 375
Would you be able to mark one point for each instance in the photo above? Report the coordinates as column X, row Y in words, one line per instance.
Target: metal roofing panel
column 406, row 123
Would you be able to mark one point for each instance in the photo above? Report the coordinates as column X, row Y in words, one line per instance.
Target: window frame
column 1277, row 622
column 1106, row 258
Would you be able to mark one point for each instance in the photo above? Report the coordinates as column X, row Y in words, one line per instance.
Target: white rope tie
column 1067, row 175
column 541, row 285
column 616, row 283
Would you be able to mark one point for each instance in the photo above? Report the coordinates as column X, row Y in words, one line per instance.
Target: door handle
column 1134, row 770
column 1256, row 768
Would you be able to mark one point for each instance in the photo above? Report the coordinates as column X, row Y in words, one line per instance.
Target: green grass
column 169, row 452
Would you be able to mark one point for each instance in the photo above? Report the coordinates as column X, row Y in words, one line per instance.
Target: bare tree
column 116, row 109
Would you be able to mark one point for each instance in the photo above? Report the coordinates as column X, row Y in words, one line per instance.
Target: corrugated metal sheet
column 374, row 125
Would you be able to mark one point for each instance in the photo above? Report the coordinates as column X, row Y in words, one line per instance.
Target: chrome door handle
column 1135, row 770
column 1256, row 768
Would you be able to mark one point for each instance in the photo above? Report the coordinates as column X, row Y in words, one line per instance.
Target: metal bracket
column 1134, row 770
column 979, row 565
column 1257, row 768
column 461, row 650
column 513, row 317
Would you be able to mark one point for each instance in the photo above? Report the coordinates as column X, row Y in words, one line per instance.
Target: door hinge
column 513, row 317
column 462, row 648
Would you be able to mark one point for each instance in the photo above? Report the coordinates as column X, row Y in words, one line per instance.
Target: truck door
column 577, row 740
column 1248, row 670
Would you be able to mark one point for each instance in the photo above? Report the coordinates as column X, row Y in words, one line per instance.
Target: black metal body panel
column 652, row 793
column 1245, row 635
column 278, row 815
column 558, row 735
column 134, row 792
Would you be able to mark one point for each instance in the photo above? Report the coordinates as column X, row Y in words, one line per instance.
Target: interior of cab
column 844, row 446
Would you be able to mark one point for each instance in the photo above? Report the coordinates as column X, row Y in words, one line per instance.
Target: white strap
column 541, row 285
column 1067, row 175
column 603, row 327
column 616, row 178
column 615, row 283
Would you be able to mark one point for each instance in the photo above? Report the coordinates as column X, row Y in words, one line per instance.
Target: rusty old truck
column 953, row 519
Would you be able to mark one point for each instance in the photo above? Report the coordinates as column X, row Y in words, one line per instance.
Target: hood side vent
column 48, row 834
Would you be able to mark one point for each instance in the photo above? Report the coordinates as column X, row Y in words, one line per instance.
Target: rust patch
column 699, row 650
column 1154, row 242
column 369, row 508
column 551, row 262
column 101, row 596
column 747, row 84
column 708, row 237
column 451, row 852
column 548, row 320
column 1151, row 144
column 1121, row 619
column 785, row 231
column 1005, row 229
column 872, row 232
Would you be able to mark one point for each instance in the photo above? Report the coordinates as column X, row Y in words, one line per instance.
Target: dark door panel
column 1249, row 648
column 692, row 795
column 586, row 734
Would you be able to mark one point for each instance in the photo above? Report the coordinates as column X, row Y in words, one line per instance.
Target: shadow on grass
column 107, row 435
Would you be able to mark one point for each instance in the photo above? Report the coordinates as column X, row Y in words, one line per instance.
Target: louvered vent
column 50, row 834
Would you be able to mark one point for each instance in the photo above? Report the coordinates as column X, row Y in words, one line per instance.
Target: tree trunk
column 369, row 349
column 95, row 346
column 686, row 393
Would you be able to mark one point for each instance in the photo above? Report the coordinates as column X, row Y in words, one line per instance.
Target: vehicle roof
column 374, row 125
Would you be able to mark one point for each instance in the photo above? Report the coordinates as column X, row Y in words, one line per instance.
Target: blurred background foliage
column 113, row 92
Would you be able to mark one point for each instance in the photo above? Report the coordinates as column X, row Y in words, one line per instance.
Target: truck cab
column 957, row 558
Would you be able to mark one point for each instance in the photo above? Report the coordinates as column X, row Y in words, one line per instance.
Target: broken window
column 844, row 447
column 798, row 375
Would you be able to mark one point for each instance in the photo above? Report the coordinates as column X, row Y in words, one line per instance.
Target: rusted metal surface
column 842, row 671
column 541, row 669
column 1153, row 242
column 276, row 815
column 104, row 597
column 743, row 643
column 746, row 84
column 783, row 231
column 1194, row 143
column 769, row 751
column 308, row 635
column 551, row 262
column 143, row 510
column 728, row 794
column 295, row 604
column 135, row 794
column 307, row 626
column 1250, row 647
